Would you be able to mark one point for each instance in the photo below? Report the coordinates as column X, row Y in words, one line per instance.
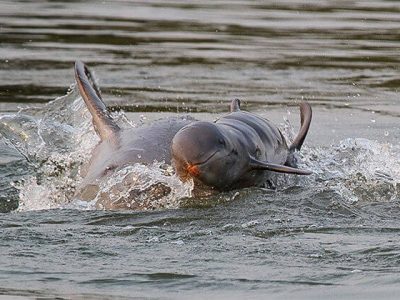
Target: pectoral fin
column 260, row 165
column 305, row 121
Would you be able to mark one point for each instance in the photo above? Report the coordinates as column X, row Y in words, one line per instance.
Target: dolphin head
column 203, row 152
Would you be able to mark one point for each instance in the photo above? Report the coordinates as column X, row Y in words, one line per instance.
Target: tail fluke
column 103, row 123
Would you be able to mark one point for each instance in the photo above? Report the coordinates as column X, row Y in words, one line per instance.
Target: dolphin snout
column 193, row 170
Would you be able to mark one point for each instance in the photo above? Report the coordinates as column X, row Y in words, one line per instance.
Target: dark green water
column 333, row 235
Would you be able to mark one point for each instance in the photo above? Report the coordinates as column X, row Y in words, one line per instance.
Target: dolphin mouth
column 206, row 160
column 193, row 169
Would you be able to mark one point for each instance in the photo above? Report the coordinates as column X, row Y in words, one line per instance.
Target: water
column 334, row 234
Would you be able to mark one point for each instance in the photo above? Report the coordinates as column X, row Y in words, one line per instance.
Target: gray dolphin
column 238, row 150
column 120, row 147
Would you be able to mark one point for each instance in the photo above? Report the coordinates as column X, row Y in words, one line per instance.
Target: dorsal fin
column 103, row 123
column 305, row 121
column 235, row 105
column 260, row 165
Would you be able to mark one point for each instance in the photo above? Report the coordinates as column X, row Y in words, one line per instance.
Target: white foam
column 143, row 187
column 357, row 169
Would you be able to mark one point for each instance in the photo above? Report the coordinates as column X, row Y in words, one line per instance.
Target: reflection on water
column 333, row 233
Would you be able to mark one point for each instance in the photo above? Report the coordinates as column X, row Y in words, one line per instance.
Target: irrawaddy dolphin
column 238, row 150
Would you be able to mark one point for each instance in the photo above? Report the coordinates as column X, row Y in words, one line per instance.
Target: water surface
column 334, row 234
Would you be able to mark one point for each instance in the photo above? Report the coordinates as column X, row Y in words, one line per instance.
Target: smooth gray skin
column 239, row 150
column 120, row 147
column 137, row 145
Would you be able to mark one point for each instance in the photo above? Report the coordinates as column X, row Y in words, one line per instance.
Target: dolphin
column 238, row 150
column 120, row 147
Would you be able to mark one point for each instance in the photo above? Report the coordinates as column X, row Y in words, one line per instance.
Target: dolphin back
column 103, row 123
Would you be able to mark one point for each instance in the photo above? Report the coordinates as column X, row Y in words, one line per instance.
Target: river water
column 332, row 235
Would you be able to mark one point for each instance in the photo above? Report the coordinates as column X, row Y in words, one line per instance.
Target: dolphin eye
column 221, row 141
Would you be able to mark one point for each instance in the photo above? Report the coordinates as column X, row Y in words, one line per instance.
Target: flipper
column 235, row 105
column 259, row 165
column 103, row 123
column 305, row 120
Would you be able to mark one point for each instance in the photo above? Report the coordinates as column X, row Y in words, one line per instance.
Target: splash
column 359, row 170
column 142, row 187
column 56, row 141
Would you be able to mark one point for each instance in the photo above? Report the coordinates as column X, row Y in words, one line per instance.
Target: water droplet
column 373, row 120
column 228, row 226
column 178, row 242
column 250, row 224
column 153, row 239
column 235, row 195
column 386, row 133
column 315, row 255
